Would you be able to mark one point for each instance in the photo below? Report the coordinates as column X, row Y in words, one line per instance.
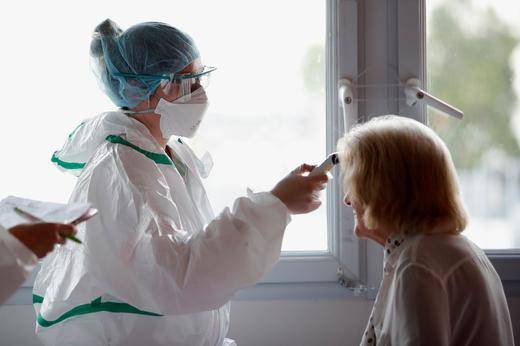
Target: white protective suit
column 16, row 263
column 156, row 267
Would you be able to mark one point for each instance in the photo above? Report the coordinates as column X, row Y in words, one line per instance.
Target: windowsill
column 506, row 263
column 296, row 291
column 289, row 291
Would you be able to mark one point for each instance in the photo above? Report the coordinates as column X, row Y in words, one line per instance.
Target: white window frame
column 390, row 44
column 377, row 43
column 343, row 248
column 309, row 275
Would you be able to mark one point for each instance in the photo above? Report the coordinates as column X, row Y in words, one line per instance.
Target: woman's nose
column 346, row 200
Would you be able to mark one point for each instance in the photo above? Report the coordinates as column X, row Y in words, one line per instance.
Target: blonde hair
column 402, row 174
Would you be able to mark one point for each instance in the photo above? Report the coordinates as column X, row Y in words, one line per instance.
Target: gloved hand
column 299, row 192
column 40, row 238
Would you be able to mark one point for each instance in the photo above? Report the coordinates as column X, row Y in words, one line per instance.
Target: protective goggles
column 189, row 82
column 185, row 83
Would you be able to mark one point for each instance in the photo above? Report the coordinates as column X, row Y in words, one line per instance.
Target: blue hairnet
column 127, row 63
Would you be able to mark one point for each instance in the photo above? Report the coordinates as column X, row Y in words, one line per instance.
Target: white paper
column 46, row 211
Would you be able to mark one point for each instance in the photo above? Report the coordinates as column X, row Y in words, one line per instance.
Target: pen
column 33, row 218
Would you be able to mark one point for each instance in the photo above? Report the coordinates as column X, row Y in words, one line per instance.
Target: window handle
column 346, row 102
column 414, row 94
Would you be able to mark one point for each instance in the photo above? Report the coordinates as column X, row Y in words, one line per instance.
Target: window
column 395, row 46
column 273, row 103
column 473, row 62
column 268, row 111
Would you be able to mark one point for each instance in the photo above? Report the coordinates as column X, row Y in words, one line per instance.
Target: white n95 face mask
column 182, row 117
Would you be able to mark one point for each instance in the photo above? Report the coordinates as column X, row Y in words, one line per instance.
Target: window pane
column 473, row 63
column 267, row 112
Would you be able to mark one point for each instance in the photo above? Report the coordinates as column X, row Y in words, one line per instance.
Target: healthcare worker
column 156, row 266
column 20, row 248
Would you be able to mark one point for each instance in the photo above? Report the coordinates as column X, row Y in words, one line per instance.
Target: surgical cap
column 128, row 63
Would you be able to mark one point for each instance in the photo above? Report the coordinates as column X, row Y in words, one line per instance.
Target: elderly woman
column 438, row 288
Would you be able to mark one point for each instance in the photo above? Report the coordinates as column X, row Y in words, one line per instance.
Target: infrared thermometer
column 325, row 166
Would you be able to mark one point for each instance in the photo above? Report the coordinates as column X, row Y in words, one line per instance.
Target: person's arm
column 420, row 314
column 141, row 254
column 16, row 263
column 20, row 248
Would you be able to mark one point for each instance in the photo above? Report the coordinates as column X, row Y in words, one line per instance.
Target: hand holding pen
column 41, row 237
column 69, row 235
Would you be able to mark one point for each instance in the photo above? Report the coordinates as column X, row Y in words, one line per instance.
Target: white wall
column 261, row 322
column 319, row 322
column 299, row 322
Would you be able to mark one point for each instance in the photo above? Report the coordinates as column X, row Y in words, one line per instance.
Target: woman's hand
column 299, row 192
column 40, row 238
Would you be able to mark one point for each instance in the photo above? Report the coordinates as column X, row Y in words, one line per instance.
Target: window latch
column 414, row 94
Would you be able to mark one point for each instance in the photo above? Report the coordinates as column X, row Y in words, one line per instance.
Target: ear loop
column 186, row 88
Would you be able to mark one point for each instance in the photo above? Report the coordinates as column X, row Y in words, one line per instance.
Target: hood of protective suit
column 83, row 142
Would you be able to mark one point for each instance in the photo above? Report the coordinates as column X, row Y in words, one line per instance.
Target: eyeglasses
column 186, row 82
column 189, row 82
column 171, row 77
column 204, row 71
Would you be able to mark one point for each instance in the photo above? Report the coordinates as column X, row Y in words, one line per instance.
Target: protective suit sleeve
column 16, row 263
column 235, row 251
column 420, row 313
column 144, row 257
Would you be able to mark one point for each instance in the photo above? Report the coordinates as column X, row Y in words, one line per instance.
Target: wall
column 258, row 323
column 318, row 322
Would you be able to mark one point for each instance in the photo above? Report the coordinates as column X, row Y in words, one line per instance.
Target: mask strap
column 185, row 87
column 128, row 111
